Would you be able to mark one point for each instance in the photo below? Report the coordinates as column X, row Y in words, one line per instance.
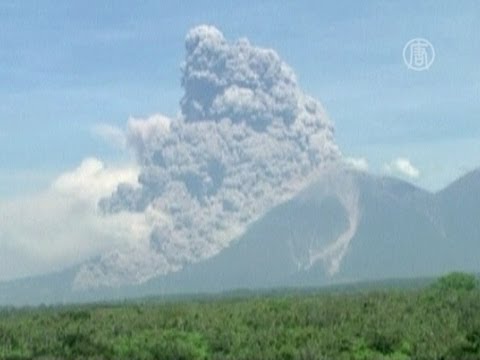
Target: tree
column 456, row 281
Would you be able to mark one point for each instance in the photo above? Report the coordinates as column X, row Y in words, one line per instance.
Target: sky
column 65, row 67
column 73, row 74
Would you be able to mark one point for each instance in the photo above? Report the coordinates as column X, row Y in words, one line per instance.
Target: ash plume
column 247, row 139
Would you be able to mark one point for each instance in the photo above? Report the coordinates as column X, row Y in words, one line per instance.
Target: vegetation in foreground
column 441, row 321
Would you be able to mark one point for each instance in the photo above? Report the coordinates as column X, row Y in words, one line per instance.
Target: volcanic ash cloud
column 247, row 139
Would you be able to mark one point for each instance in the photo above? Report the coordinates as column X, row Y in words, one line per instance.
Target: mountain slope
column 399, row 230
column 459, row 214
column 403, row 231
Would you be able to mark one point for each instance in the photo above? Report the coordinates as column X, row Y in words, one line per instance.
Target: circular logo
column 418, row 54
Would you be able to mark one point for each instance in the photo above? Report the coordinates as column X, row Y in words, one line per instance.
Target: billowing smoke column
column 248, row 139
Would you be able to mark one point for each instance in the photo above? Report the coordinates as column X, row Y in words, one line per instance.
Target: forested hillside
column 439, row 321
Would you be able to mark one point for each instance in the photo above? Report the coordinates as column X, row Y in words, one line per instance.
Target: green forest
column 440, row 320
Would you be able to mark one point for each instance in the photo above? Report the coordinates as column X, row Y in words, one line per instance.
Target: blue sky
column 65, row 67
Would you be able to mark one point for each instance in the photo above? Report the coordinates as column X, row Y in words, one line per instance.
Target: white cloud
column 61, row 226
column 402, row 166
column 142, row 133
column 110, row 134
column 360, row 164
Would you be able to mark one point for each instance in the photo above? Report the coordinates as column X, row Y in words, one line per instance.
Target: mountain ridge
column 403, row 231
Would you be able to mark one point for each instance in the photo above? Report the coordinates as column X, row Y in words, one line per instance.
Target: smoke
column 403, row 167
column 110, row 134
column 240, row 82
column 247, row 139
column 60, row 226
column 359, row 164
